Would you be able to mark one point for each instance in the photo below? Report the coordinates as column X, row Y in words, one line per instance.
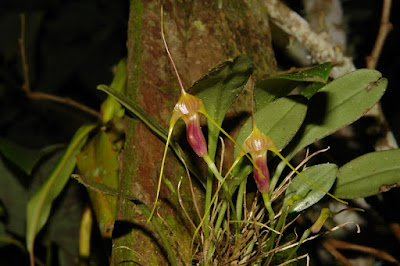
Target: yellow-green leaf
column 98, row 161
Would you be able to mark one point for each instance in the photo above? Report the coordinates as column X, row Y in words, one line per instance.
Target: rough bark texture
column 200, row 34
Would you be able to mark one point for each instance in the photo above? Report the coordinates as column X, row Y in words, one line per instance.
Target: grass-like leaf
column 369, row 175
column 136, row 110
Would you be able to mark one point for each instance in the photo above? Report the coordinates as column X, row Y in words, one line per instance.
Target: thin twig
column 63, row 100
column 21, row 41
column 339, row 244
column 181, row 203
column 335, row 253
column 384, row 29
column 41, row 95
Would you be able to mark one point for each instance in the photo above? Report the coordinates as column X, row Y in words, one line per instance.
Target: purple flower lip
column 258, row 144
column 188, row 108
column 194, row 134
column 262, row 179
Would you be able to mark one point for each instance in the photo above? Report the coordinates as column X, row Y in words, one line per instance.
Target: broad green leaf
column 218, row 89
column 24, row 158
column 369, row 175
column 338, row 104
column 98, row 160
column 323, row 175
column 39, row 206
column 272, row 88
column 279, row 120
column 312, row 89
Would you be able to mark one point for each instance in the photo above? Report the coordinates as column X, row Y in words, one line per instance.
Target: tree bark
column 200, row 34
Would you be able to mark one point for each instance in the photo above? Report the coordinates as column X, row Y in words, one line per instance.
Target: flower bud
column 325, row 213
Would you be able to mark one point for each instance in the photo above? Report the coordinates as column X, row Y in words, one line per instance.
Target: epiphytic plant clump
column 242, row 222
column 229, row 232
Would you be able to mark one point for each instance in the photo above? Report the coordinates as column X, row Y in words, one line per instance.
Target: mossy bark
column 200, row 34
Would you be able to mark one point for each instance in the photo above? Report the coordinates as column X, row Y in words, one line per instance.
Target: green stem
column 239, row 205
column 222, row 211
column 271, row 214
column 303, row 237
column 208, row 202
column 277, row 174
column 213, row 168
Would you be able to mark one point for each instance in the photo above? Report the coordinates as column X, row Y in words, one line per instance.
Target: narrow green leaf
column 279, row 120
column 338, row 104
column 136, row 110
column 153, row 125
column 218, row 89
column 24, row 158
column 272, row 88
column 369, row 175
column 104, row 189
column 39, row 206
column 110, row 107
column 323, row 175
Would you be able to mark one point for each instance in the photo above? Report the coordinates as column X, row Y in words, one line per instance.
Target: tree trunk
column 200, row 34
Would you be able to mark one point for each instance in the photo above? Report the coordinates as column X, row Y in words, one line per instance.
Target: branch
column 41, row 95
column 322, row 51
column 21, row 41
column 384, row 29
column 63, row 100
column 320, row 48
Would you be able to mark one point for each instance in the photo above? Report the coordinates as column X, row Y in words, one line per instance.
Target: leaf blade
column 338, row 104
column 39, row 206
column 272, row 88
column 323, row 175
column 369, row 174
